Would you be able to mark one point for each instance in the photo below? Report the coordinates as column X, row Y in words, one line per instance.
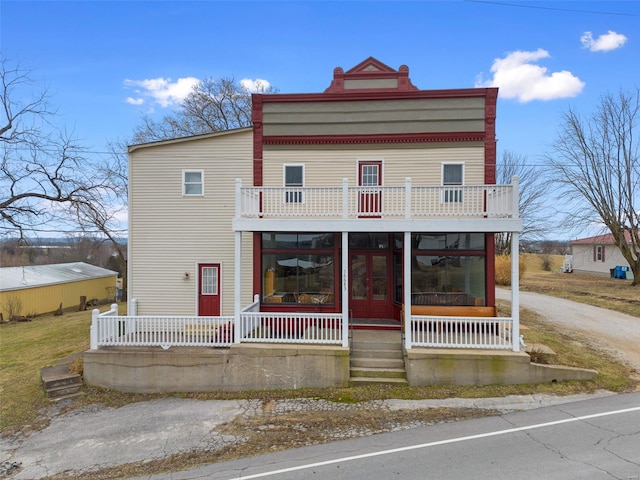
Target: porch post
column 406, row 263
column 93, row 331
column 345, row 289
column 237, row 301
column 515, row 290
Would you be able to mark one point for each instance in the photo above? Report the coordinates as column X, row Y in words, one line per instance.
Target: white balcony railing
column 408, row 201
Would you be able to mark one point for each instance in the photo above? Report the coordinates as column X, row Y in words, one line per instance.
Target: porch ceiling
column 440, row 225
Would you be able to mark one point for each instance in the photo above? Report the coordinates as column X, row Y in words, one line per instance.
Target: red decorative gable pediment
column 371, row 75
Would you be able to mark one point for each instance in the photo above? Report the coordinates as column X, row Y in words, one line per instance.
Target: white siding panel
column 329, row 167
column 169, row 233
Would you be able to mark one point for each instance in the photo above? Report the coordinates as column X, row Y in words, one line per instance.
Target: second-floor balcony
column 406, row 201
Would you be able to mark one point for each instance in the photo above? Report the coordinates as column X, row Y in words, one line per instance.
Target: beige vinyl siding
column 380, row 117
column 329, row 167
column 48, row 298
column 170, row 233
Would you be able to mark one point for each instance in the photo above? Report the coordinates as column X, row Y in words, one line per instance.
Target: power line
column 539, row 7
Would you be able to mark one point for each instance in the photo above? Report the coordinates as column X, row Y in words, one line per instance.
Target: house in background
column 599, row 255
column 37, row 289
column 371, row 206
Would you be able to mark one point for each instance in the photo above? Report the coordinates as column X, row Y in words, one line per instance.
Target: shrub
column 503, row 269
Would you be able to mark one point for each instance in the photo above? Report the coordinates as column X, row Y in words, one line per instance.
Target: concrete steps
column 60, row 383
column 377, row 358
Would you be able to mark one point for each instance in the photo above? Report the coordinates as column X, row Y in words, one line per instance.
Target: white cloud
column 134, row 101
column 160, row 90
column 517, row 76
column 604, row 43
column 255, row 86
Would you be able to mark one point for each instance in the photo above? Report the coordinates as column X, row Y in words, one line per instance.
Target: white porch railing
column 110, row 329
column 491, row 201
column 270, row 327
column 461, row 332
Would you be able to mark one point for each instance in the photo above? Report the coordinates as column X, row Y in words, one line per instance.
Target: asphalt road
column 615, row 332
column 591, row 439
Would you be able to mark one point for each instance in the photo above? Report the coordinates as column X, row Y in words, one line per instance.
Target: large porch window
column 448, row 269
column 298, row 268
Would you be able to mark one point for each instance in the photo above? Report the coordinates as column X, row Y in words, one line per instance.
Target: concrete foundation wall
column 241, row 367
column 280, row 366
column 455, row 367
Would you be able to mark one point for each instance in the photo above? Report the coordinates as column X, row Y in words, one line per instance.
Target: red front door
column 370, row 285
column 209, row 290
column 370, row 180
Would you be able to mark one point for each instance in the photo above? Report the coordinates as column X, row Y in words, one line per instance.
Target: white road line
column 433, row 444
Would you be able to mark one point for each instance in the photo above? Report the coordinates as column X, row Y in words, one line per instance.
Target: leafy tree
column 596, row 164
column 532, row 191
column 212, row 106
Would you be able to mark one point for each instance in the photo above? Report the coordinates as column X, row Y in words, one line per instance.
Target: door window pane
column 359, row 277
column 369, row 176
column 380, row 277
column 209, row 281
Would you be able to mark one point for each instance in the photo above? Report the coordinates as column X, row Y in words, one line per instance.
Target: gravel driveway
column 611, row 331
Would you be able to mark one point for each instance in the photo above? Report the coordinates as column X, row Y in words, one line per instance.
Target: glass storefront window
column 448, row 241
column 298, row 278
column 306, row 241
column 448, row 280
column 369, row 241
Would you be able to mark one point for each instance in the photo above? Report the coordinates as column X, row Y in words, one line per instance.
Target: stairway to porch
column 377, row 357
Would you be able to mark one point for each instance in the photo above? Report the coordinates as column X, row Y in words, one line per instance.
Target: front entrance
column 370, row 284
column 209, row 290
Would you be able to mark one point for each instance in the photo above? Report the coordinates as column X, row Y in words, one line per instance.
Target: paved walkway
column 611, row 331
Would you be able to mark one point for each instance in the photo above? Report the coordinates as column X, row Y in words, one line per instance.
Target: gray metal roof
column 16, row 278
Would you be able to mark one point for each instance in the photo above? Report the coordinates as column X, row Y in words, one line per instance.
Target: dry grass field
column 600, row 291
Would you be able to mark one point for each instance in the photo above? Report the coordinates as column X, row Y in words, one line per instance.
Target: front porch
column 190, row 354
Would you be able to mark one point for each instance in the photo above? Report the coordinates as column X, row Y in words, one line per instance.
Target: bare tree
column 596, row 163
column 212, row 106
column 103, row 218
column 532, row 197
column 43, row 171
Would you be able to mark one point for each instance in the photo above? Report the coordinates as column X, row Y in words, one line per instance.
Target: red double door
column 370, row 284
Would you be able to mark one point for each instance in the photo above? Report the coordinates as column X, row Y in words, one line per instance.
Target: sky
column 108, row 63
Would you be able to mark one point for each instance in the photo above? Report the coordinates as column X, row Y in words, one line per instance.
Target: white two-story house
column 371, row 205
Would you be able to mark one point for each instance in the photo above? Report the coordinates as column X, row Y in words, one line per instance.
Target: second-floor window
column 193, row 182
column 293, row 177
column 452, row 174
